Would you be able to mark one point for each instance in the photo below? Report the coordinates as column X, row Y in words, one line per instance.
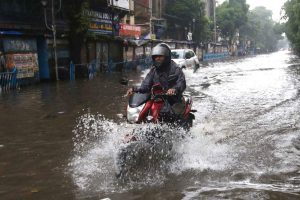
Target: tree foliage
column 261, row 29
column 292, row 29
column 75, row 12
column 231, row 15
column 184, row 11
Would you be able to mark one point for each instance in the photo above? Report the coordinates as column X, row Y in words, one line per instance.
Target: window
column 192, row 54
column 177, row 54
column 187, row 55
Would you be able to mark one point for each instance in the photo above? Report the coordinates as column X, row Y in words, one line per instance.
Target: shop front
column 132, row 50
column 63, row 58
column 103, row 48
column 21, row 53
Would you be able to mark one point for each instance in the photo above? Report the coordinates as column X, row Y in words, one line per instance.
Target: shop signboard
column 122, row 4
column 127, row 30
column 101, row 22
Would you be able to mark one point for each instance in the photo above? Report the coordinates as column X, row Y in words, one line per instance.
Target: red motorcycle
column 154, row 144
column 155, row 107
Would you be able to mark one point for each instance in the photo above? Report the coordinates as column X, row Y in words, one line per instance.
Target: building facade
column 31, row 47
column 149, row 14
column 25, row 41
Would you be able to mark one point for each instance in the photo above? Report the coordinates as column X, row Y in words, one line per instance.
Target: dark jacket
column 170, row 76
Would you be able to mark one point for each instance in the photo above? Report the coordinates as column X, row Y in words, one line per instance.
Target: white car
column 185, row 58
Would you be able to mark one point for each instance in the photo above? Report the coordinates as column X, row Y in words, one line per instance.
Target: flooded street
column 60, row 140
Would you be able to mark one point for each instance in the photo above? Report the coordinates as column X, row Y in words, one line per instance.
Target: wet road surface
column 60, row 140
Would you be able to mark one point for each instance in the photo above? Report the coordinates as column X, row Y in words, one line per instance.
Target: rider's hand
column 129, row 92
column 171, row 92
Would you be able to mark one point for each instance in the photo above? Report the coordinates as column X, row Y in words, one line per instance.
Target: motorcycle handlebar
column 169, row 92
column 162, row 95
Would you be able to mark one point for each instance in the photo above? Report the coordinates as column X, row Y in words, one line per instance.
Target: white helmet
column 162, row 49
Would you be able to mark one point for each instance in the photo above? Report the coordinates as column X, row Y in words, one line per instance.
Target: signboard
column 122, row 4
column 130, row 30
column 26, row 64
column 101, row 22
column 19, row 45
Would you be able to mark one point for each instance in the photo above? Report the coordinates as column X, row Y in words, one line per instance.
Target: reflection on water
column 60, row 141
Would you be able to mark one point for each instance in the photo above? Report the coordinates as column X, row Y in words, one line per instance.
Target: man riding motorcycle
column 164, row 72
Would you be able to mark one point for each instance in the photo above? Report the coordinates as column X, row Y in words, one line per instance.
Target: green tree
column 183, row 12
column 231, row 15
column 261, row 29
column 79, row 21
column 292, row 29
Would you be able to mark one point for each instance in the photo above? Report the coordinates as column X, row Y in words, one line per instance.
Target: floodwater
column 61, row 140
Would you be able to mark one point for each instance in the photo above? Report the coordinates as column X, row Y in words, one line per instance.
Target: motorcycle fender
column 145, row 111
column 155, row 110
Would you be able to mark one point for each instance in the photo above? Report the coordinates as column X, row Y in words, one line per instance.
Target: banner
column 26, row 64
column 130, row 30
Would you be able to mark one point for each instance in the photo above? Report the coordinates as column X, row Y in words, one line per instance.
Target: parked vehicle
column 185, row 58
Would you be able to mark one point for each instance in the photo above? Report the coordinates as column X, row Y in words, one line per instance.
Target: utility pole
column 215, row 23
column 53, row 29
column 150, row 24
column 113, row 17
column 54, row 39
column 193, row 32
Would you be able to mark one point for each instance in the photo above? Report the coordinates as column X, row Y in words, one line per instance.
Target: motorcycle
column 155, row 143
column 146, row 150
column 154, row 107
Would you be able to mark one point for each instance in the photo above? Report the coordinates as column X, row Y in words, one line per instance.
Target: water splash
column 95, row 142
column 98, row 142
column 202, row 151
